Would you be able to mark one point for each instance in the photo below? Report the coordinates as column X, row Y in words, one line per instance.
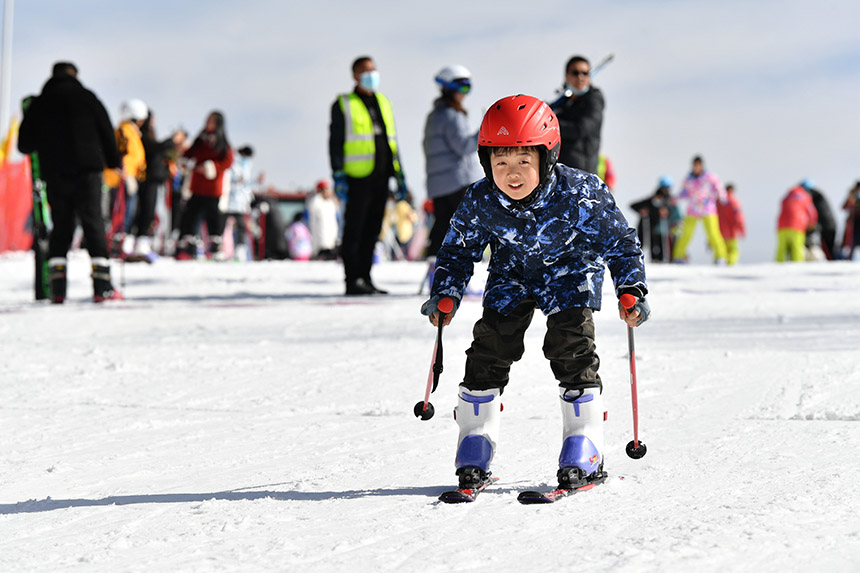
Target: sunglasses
column 577, row 73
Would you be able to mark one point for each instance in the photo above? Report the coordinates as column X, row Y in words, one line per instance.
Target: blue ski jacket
column 553, row 250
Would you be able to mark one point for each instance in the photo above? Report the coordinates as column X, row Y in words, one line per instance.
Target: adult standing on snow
column 580, row 117
column 826, row 226
column 851, row 238
column 364, row 157
column 70, row 129
column 153, row 184
column 123, row 189
column 796, row 217
column 655, row 220
column 451, row 151
column 239, row 200
column 703, row 190
column 212, row 156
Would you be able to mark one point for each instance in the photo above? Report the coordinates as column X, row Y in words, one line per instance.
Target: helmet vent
column 521, row 107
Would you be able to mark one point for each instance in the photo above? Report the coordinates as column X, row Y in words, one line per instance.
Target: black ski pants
column 76, row 196
column 443, row 210
column 362, row 223
column 498, row 343
column 206, row 207
column 147, row 197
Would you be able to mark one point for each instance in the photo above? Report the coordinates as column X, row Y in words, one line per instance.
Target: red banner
column 16, row 205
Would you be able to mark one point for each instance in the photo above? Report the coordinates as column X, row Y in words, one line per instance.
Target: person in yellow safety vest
column 364, row 158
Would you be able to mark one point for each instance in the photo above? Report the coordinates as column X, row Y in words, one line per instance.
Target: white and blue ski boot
column 478, row 413
column 581, row 458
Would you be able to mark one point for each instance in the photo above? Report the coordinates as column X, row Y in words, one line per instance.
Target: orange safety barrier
column 16, row 206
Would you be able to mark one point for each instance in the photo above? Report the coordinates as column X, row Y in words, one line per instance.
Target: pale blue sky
column 766, row 91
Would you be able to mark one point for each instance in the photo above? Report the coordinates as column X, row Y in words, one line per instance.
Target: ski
column 534, row 497
column 466, row 494
column 41, row 222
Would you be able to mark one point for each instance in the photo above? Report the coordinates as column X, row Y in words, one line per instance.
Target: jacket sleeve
column 134, row 159
column 27, row 138
column 191, row 152
column 106, row 134
column 457, row 136
column 719, row 189
column 225, row 162
column 337, row 135
column 740, row 221
column 812, row 212
column 463, row 246
column 643, row 204
column 685, row 189
column 615, row 239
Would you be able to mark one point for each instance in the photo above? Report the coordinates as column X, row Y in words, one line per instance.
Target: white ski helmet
column 448, row 75
column 133, row 110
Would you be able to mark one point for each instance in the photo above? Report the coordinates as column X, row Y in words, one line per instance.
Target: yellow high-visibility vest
column 359, row 147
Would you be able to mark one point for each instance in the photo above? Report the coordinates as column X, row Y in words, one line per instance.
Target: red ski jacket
column 732, row 223
column 201, row 152
column 798, row 211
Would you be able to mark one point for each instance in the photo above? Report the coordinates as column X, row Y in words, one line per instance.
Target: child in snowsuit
column 797, row 215
column 551, row 229
column 732, row 224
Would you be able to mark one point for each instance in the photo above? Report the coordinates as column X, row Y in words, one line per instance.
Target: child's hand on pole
column 437, row 305
column 633, row 310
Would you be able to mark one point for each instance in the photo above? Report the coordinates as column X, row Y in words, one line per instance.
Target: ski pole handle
column 445, row 305
column 628, row 301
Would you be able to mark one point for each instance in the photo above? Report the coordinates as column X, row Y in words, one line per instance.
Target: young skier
column 551, row 229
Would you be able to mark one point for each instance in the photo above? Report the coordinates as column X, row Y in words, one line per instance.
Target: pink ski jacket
column 702, row 194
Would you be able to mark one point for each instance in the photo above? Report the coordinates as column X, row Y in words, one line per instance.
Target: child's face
column 516, row 172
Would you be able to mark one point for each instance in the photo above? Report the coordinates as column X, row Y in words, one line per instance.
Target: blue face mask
column 572, row 90
column 369, row 80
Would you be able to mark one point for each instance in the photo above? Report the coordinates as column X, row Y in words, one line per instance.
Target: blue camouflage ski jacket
column 553, row 250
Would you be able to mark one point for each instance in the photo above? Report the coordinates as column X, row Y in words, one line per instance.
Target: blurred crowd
column 190, row 198
column 806, row 228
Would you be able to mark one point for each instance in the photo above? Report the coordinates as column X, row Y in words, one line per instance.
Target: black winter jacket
column 70, row 129
column 580, row 120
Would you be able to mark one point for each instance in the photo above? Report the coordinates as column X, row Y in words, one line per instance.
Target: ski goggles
column 462, row 85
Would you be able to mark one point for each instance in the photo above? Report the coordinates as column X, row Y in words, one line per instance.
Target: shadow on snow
column 48, row 504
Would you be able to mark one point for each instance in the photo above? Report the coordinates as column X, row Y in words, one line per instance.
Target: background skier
column 797, row 216
column 703, row 190
column 70, row 129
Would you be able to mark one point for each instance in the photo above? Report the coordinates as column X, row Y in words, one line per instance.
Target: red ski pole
column 425, row 409
column 635, row 449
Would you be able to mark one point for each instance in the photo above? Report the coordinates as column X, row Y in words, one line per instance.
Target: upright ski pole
column 635, row 449
column 424, row 409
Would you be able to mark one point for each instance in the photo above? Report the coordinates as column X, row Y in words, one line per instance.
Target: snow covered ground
column 230, row 417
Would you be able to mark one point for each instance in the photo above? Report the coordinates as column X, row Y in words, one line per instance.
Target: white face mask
column 569, row 89
column 369, row 80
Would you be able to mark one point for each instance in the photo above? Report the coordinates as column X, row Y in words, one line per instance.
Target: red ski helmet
column 520, row 121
